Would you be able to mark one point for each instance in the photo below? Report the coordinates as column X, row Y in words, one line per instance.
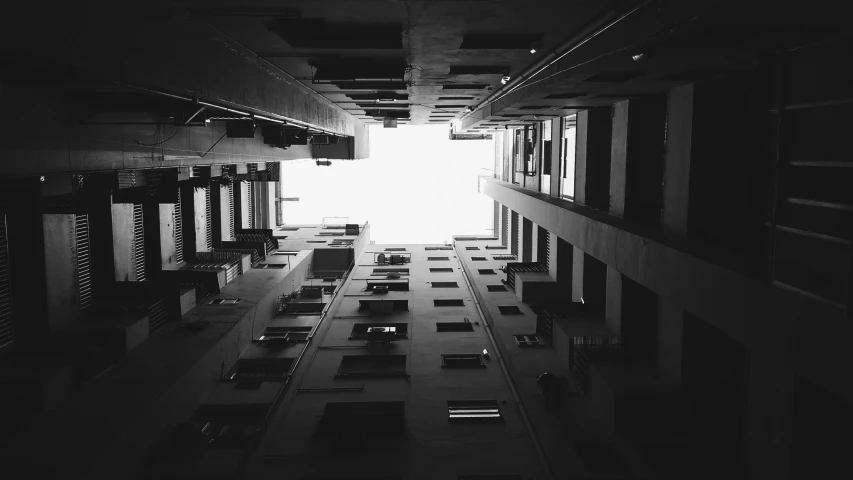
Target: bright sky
column 418, row 186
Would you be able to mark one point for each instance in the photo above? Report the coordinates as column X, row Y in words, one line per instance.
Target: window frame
column 466, row 360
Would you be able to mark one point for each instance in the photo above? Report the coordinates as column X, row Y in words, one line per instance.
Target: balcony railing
column 392, row 259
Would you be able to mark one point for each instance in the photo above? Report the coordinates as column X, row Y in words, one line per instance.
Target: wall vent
column 179, row 231
column 7, row 325
column 84, row 268
column 138, row 243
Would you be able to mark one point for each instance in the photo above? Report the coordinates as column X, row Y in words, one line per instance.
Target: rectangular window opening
column 437, row 259
column 478, row 259
column 440, row 270
column 472, row 248
column 486, row 271
column 496, row 288
column 461, row 360
column 448, row 302
column 445, row 285
column 510, row 310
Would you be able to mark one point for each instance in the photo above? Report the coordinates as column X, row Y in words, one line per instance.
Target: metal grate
column 84, row 267
column 179, row 231
column 544, row 247
column 7, row 326
column 250, row 196
column 138, row 243
column 209, row 217
column 230, row 211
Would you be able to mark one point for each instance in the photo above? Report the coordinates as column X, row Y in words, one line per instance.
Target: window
column 372, row 366
column 271, row 265
column 287, row 229
column 528, row 341
column 476, row 411
column 260, row 369
column 387, row 271
column 440, row 270
column 510, row 310
column 439, row 248
column 495, row 247
column 437, row 259
column 445, row 285
column 470, row 360
column 225, row 301
column 284, row 336
column 503, row 257
column 478, row 259
column 395, row 249
column 363, row 331
column 465, row 326
column 472, row 248
column 448, row 302
column 496, row 288
column 330, row 234
column 486, row 271
column 396, row 285
column 342, row 241
column 316, row 241
column 301, row 308
column 383, row 306
column 286, row 253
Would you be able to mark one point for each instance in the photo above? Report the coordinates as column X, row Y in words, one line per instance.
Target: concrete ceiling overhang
column 161, row 46
column 439, row 39
column 680, row 43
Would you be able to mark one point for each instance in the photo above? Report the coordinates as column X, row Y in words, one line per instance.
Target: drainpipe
column 592, row 30
column 540, row 452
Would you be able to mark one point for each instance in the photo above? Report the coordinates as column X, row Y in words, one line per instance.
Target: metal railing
column 580, row 346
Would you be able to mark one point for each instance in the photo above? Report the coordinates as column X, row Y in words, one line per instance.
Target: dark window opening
column 437, row 259
column 395, row 249
column 225, row 301
column 438, row 248
column 260, row 369
column 389, row 271
column 383, row 306
column 448, row 302
column 495, row 247
column 478, row 259
column 531, row 340
column 486, row 271
column 372, row 366
column 472, row 248
column 465, row 326
column 510, row 310
column 474, row 360
column 496, row 288
column 271, row 265
column 440, row 270
column 445, row 285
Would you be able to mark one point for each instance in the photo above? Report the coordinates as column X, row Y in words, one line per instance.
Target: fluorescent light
column 261, row 117
column 223, row 108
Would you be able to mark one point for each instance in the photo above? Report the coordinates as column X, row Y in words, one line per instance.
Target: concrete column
column 577, row 274
column 613, row 309
column 60, row 264
column 557, row 131
column 534, row 242
column 592, row 158
column 637, row 150
column 525, row 247
column 670, row 340
column 167, row 236
column 562, row 259
column 676, row 172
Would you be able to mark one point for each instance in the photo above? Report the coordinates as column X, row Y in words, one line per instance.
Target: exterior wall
column 122, row 214
column 167, row 237
column 431, row 444
column 60, row 258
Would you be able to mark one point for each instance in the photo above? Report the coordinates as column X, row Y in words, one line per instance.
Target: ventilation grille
column 138, row 243
column 84, row 267
column 7, row 326
column 158, row 314
column 179, row 231
column 230, row 211
column 250, row 196
column 209, row 218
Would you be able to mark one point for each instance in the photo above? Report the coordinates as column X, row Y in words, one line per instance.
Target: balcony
column 392, row 259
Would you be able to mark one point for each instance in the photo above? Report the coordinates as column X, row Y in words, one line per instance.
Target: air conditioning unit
column 380, row 289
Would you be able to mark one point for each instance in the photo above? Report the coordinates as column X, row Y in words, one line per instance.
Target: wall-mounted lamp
column 505, row 79
column 533, row 50
column 637, row 57
column 485, row 353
